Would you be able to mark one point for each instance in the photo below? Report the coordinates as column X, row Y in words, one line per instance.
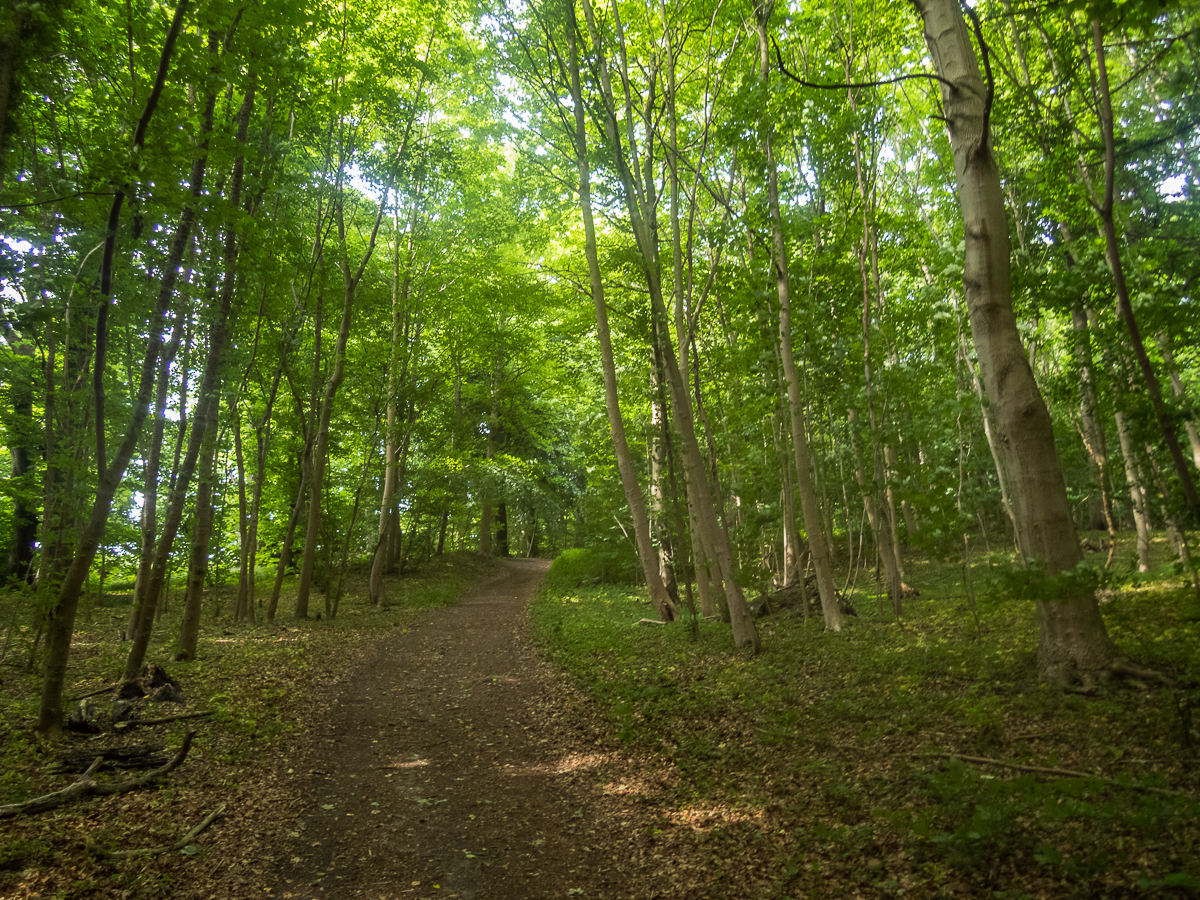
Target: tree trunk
column 883, row 538
column 1112, row 253
column 1189, row 423
column 659, row 472
column 18, row 567
column 633, row 493
column 817, row 544
column 205, row 425
column 149, row 523
column 285, row 551
column 62, row 616
column 197, row 566
column 1139, row 502
column 1089, row 418
column 639, row 206
column 1073, row 639
column 350, row 282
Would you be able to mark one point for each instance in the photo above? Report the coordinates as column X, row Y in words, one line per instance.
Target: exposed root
column 1124, row 666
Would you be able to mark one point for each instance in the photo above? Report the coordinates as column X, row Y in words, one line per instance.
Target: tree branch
column 841, row 86
column 86, row 785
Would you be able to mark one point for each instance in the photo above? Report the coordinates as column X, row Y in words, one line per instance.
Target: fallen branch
column 144, row 757
column 1066, row 773
column 86, row 785
column 133, row 723
column 165, row 848
column 96, row 692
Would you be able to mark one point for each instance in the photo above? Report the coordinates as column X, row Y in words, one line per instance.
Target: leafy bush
column 573, row 568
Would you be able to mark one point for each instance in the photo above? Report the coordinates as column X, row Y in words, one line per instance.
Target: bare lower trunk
column 1137, row 494
column 197, row 569
column 285, row 550
column 883, row 537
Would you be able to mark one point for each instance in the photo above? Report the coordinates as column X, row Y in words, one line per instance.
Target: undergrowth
column 845, row 752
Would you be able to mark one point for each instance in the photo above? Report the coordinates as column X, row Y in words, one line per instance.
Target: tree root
column 1086, row 681
column 1125, row 667
column 1065, row 773
column 165, row 848
column 86, row 785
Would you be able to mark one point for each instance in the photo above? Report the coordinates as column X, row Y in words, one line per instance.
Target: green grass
column 834, row 742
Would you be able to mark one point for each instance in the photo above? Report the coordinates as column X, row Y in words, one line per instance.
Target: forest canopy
column 730, row 294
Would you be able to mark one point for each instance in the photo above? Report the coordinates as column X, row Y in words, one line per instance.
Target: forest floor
column 440, row 757
column 478, row 738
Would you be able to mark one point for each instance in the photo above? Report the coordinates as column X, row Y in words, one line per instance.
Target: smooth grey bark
column 1074, row 642
column 636, row 196
column 350, row 281
column 1139, row 502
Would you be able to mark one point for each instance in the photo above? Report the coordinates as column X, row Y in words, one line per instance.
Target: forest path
column 433, row 777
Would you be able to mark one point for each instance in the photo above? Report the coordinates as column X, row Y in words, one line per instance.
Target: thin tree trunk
column 1189, row 423
column 206, row 417
column 350, row 280
column 62, row 616
column 817, row 544
column 637, row 202
column 633, row 494
column 1112, row 252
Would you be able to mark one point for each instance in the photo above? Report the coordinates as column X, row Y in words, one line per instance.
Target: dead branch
column 96, row 692
column 1066, row 773
column 87, row 785
column 133, row 723
column 165, row 848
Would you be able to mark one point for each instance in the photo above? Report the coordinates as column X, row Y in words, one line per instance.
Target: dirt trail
column 432, row 776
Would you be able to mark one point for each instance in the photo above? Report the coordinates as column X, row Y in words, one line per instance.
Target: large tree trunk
column 1074, row 642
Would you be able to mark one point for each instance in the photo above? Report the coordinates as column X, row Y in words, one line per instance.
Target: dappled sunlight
column 575, row 762
column 407, row 764
column 707, row 818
